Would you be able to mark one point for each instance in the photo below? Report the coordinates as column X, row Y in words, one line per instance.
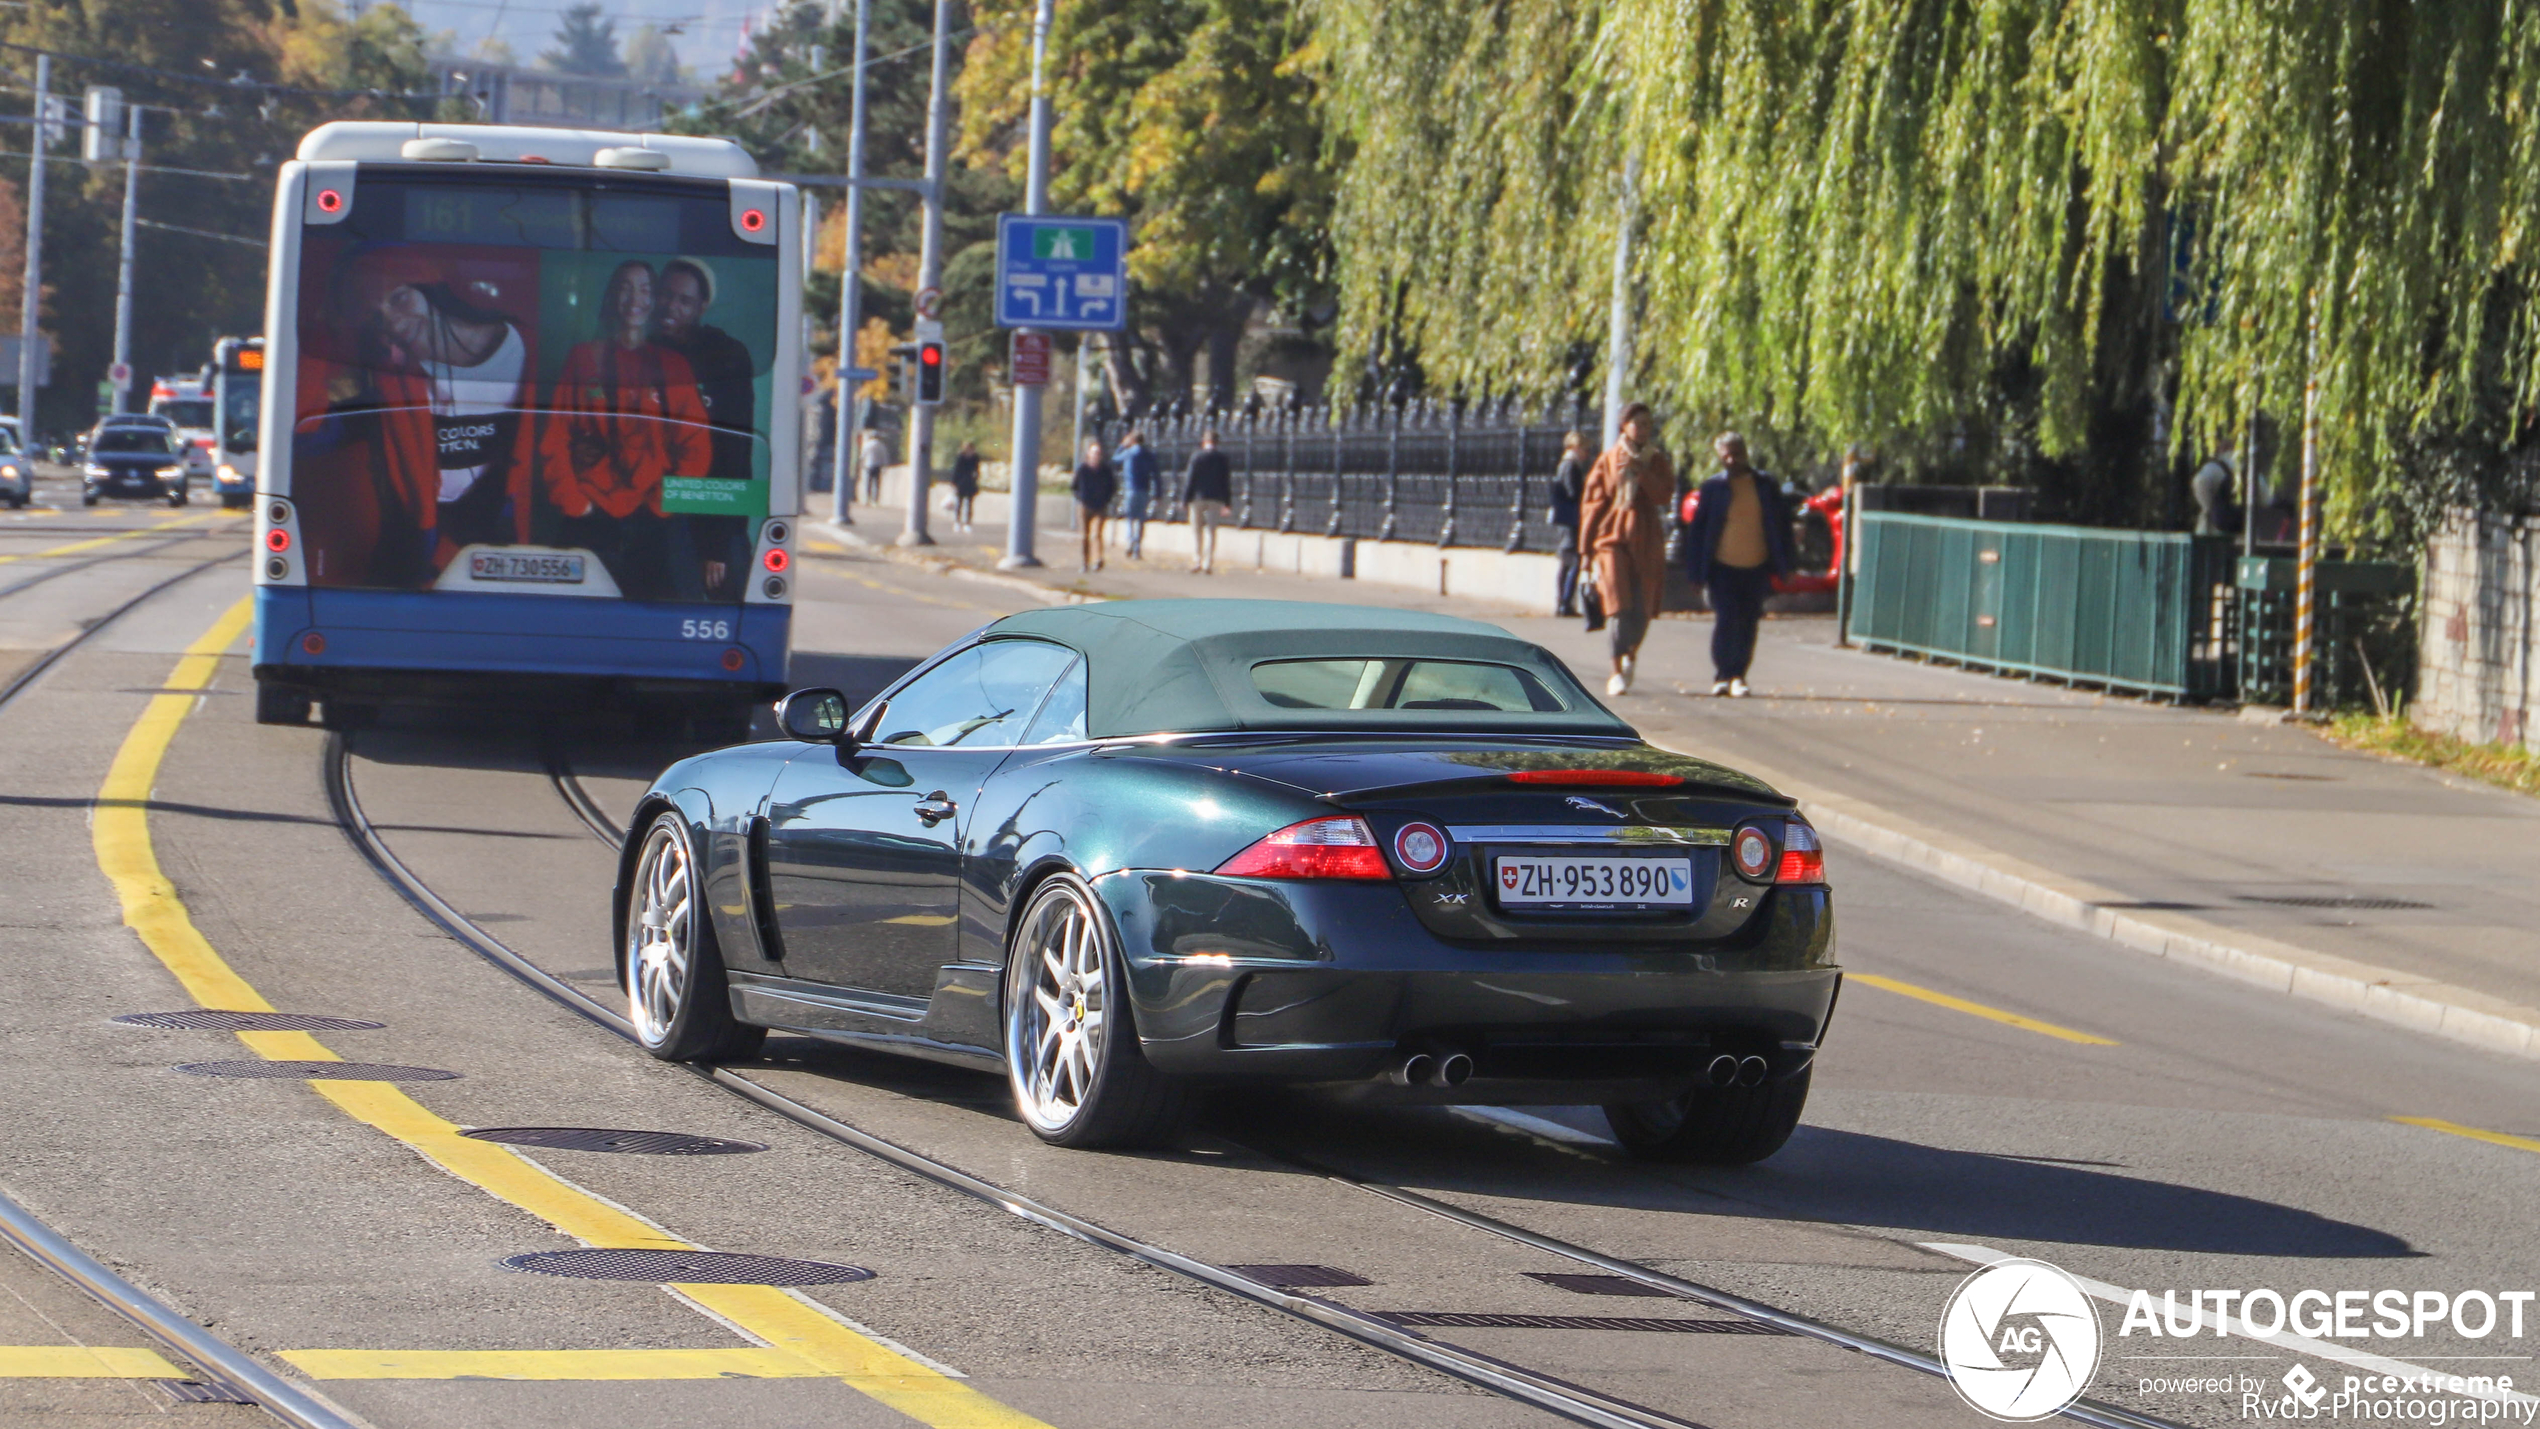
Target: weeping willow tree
column 2087, row 235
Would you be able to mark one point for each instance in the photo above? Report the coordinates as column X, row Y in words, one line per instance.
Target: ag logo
column 2020, row 1340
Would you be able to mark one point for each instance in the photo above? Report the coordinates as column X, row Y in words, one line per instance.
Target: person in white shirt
column 876, row 456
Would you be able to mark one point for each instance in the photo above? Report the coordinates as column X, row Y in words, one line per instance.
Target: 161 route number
column 705, row 629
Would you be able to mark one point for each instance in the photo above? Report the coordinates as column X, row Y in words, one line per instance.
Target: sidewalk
column 2259, row 851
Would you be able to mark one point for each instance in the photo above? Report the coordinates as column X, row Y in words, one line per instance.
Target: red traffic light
column 931, row 354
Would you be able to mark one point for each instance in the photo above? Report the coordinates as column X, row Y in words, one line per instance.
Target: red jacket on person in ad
column 619, row 421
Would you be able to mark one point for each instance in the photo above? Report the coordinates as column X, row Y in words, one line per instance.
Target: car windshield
column 8, row 442
column 1398, row 684
column 189, row 413
column 143, row 440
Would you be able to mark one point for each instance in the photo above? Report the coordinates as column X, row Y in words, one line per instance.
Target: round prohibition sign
column 930, row 302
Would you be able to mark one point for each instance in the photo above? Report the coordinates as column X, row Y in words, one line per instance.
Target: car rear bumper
column 1338, row 983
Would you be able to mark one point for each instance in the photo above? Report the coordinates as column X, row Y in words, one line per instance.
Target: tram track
column 217, row 1361
column 1541, row 1389
column 35, row 669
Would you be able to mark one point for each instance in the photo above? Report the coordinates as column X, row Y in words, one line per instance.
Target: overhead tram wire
column 1560, row 1397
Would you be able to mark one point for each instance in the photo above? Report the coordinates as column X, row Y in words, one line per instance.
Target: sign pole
column 123, row 277
column 1618, row 329
column 1023, row 488
column 28, row 317
column 850, row 292
column 930, row 271
column 2307, row 565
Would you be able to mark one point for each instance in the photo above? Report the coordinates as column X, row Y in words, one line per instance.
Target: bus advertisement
column 238, row 379
column 528, row 427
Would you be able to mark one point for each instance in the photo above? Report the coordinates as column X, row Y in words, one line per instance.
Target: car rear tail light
column 1609, row 778
column 1340, row 847
column 1421, row 848
column 1751, row 849
column 1803, row 858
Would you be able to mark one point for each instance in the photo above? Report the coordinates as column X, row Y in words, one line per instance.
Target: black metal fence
column 1434, row 473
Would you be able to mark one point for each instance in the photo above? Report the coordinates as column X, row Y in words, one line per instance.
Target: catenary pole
column 1023, row 489
column 123, row 274
column 930, row 270
column 1618, row 333
column 27, row 305
column 851, row 287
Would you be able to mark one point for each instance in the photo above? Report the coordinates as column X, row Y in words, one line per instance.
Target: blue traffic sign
column 1062, row 273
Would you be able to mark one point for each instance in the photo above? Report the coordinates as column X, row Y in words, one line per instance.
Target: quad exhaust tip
column 1728, row 1071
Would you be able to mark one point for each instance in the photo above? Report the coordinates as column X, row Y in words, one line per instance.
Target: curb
column 2438, row 1009
column 947, row 566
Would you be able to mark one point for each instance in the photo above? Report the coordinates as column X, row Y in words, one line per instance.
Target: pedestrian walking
column 2216, row 513
column 876, row 456
column 965, row 484
column 1095, row 484
column 1137, row 489
column 1208, row 488
column 1623, row 508
column 1739, row 541
column 1567, row 479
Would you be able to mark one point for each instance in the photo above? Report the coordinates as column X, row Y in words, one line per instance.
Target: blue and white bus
column 529, row 428
column 238, row 386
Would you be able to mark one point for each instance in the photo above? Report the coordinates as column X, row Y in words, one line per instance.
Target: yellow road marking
column 84, row 1362
column 1978, row 1009
column 153, row 910
column 826, row 548
column 2454, row 1128
column 551, row 1364
column 899, row 590
column 93, row 542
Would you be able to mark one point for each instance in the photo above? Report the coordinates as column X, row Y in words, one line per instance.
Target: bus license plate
column 540, row 569
column 1537, row 882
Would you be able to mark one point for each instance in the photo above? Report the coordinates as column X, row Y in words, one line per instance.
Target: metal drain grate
column 1449, row 1319
column 194, row 1391
column 1299, row 1277
column 1597, row 1284
column 632, row 1143
column 212, row 1021
column 686, row 1267
column 320, row 1071
column 2380, row 904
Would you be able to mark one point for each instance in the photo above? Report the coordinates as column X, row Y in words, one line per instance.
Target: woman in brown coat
column 1623, row 533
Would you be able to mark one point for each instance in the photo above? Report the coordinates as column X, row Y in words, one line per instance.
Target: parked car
column 130, row 456
column 1122, row 851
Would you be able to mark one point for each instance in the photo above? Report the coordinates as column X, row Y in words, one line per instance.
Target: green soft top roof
column 1185, row 666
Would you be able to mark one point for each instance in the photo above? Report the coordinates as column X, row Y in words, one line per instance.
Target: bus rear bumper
column 455, row 647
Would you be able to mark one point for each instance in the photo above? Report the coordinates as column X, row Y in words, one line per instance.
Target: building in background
column 520, row 94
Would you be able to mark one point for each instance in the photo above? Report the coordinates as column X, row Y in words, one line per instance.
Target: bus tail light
column 777, row 560
column 1342, row 847
column 733, row 659
column 313, row 644
column 277, row 539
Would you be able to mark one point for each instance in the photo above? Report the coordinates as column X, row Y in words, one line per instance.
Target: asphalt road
column 2005, row 1086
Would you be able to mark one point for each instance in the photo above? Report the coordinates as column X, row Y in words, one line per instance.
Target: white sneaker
column 1616, row 684
column 1719, row 687
column 1737, row 689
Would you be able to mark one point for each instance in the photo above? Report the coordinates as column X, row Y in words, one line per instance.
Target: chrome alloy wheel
column 1055, row 1033
column 661, row 936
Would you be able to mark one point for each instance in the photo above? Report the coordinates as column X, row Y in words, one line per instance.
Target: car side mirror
column 816, row 716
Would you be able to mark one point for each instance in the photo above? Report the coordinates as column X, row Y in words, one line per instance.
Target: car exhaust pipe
column 1752, row 1071
column 1415, row 1070
column 1722, row 1072
column 1453, row 1070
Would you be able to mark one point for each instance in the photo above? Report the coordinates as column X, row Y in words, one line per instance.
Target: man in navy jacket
column 1739, row 541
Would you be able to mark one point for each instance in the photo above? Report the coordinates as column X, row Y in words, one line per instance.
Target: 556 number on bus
column 705, row 629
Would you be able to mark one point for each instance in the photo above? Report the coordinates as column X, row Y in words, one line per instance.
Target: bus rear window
column 1402, row 684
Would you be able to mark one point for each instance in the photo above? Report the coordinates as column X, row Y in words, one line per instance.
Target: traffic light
column 930, row 372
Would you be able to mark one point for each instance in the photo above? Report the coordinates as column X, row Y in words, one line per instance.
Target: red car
column 1821, row 511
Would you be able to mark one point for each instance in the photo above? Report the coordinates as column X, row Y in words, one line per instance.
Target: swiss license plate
column 1536, row 881
column 540, row 568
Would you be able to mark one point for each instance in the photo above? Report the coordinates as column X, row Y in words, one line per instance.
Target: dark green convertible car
column 1124, row 851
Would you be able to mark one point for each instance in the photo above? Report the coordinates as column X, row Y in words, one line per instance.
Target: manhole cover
column 1447, row 1319
column 320, row 1071
column 247, row 1021
column 1299, row 1277
column 633, row 1143
column 1596, row 1284
column 2380, row 904
column 687, row 1267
